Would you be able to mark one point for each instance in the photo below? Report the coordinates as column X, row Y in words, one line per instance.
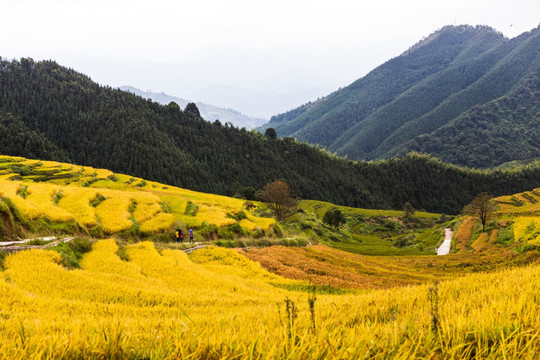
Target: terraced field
column 216, row 304
column 101, row 203
column 515, row 224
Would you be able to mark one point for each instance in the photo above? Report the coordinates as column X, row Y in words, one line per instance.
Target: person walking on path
column 190, row 235
column 179, row 236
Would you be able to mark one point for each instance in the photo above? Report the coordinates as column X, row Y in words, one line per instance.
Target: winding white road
column 444, row 249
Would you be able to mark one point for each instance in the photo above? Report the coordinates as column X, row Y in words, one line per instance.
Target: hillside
column 44, row 197
column 208, row 112
column 512, row 236
column 454, row 81
column 500, row 131
column 53, row 113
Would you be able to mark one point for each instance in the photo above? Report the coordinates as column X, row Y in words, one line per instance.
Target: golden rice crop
column 481, row 242
column 527, row 230
column 27, row 208
column 262, row 222
column 148, row 205
column 528, row 201
column 113, row 213
column 102, row 173
column 38, row 201
column 151, row 200
column 175, row 204
column 76, row 200
column 214, row 215
column 464, row 233
column 246, row 224
column 41, row 195
column 159, row 223
column 166, row 306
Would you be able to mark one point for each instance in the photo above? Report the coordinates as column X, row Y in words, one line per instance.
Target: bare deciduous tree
column 481, row 207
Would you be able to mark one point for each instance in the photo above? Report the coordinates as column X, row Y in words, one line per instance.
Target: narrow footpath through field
column 15, row 246
column 444, row 249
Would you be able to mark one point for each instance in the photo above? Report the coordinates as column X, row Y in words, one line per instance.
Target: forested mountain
column 208, row 112
column 449, row 95
column 51, row 112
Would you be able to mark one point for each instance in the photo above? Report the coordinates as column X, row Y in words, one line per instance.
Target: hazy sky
column 273, row 46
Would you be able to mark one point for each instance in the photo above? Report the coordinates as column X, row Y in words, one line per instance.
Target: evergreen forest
column 466, row 95
column 51, row 112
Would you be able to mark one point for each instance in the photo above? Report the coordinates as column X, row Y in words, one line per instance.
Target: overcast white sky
column 272, row 46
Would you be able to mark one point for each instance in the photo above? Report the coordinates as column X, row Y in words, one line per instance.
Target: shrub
column 97, row 200
column 238, row 216
column 96, row 231
column 231, row 232
column 72, row 252
column 57, row 196
column 277, row 230
column 80, row 245
column 208, row 231
column 22, row 191
column 334, row 217
column 3, row 255
column 191, row 209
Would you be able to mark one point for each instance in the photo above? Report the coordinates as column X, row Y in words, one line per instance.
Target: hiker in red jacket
column 179, row 236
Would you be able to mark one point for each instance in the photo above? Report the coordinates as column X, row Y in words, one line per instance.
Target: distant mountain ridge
column 208, row 112
column 254, row 102
column 413, row 98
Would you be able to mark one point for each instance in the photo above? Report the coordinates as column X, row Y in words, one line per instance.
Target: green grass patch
column 37, row 242
column 121, row 252
column 97, row 200
column 73, row 251
column 262, row 242
column 45, row 225
column 191, row 209
column 22, row 191
column 373, row 245
column 505, row 236
column 57, row 196
column 3, row 256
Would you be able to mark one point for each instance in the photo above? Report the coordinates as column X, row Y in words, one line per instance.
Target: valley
column 396, row 218
column 261, row 287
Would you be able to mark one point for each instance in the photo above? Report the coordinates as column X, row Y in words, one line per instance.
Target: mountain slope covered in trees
column 65, row 116
column 410, row 102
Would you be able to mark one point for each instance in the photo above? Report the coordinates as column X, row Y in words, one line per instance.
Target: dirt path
column 444, row 249
column 13, row 246
column 196, row 247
